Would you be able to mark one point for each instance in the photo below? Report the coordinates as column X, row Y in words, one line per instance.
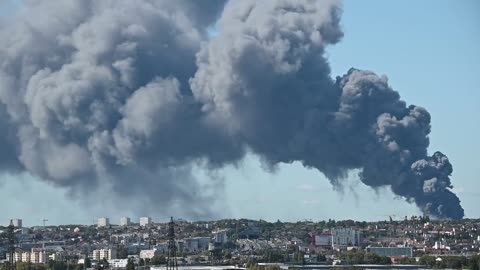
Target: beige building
column 35, row 256
column 100, row 254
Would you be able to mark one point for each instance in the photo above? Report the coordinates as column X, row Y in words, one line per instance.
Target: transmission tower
column 11, row 245
column 172, row 248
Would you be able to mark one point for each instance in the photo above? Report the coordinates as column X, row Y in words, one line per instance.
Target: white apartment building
column 145, row 221
column 220, row 236
column 125, row 221
column 27, row 256
column 100, row 254
column 149, row 253
column 55, row 257
column 37, row 256
column 345, row 237
column 195, row 244
column 103, row 222
column 17, row 222
column 17, row 256
column 118, row 263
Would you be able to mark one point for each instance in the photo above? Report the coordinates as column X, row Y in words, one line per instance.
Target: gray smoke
column 135, row 94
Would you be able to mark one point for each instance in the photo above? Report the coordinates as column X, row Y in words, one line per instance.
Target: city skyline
column 430, row 58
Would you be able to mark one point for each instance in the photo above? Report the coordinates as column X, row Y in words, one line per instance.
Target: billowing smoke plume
column 135, row 93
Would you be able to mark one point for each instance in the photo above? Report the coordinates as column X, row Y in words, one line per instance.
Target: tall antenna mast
column 172, row 248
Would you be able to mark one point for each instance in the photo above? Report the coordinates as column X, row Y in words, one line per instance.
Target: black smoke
column 136, row 93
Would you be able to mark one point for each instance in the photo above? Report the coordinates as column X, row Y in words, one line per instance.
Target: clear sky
column 430, row 51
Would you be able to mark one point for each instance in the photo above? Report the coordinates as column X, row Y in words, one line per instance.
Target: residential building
column 25, row 256
column 149, row 253
column 17, row 222
column 220, row 237
column 322, row 240
column 103, row 222
column 35, row 256
column 118, row 263
column 125, row 221
column 345, row 237
column 145, row 221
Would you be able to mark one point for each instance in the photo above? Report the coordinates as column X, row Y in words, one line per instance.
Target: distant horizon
column 207, row 115
column 248, row 219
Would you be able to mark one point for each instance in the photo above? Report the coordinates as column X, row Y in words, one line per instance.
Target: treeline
column 361, row 257
column 451, row 262
column 52, row 265
column 263, row 267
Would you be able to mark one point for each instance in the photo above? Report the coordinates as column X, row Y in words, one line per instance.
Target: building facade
column 149, row 253
column 345, row 237
column 220, row 237
column 17, row 222
column 103, row 222
column 322, row 240
column 107, row 254
column 34, row 256
column 118, row 263
column 125, row 221
column 145, row 221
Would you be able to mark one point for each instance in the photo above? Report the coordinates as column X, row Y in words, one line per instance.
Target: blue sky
column 430, row 52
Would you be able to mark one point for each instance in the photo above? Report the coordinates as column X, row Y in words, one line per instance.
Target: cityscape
column 409, row 242
column 239, row 134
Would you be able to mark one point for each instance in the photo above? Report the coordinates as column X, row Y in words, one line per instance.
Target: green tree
column 122, row 253
column 427, row 260
column 130, row 265
column 88, row 262
column 156, row 260
column 407, row 260
column 56, row 265
column 474, row 263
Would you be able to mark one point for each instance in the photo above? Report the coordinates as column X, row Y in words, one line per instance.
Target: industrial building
column 100, row 254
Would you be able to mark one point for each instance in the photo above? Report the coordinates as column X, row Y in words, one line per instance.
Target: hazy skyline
column 430, row 58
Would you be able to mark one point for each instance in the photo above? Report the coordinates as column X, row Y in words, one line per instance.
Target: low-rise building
column 118, row 263
column 149, row 253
